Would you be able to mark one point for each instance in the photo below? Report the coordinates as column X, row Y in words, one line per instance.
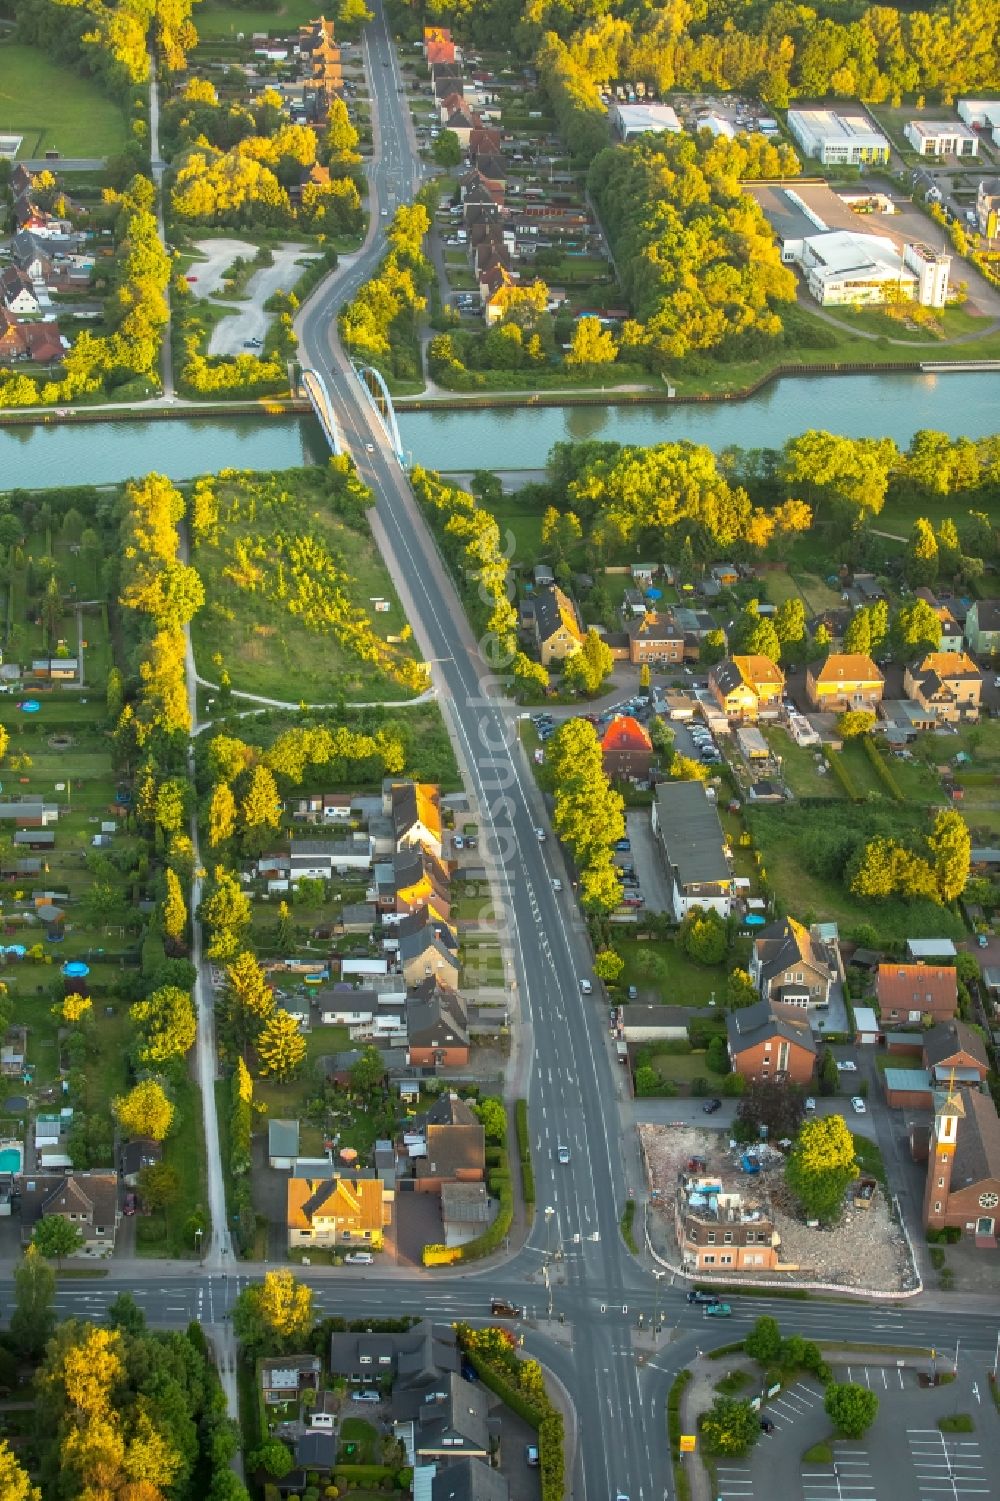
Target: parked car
column 586, row 987
column 130, row 1203
column 810, row 1106
column 359, row 1258
column 846, row 1066
column 697, row 1296
column 766, row 1426
column 858, row 1105
column 367, row 1396
column 717, row 1311
column 711, row 1106
column 458, row 842
column 531, row 1456
column 633, row 993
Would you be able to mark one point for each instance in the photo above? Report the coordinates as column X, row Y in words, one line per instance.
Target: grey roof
column 751, row 1025
column 14, row 811
column 661, row 1016
column 951, row 1037
column 316, row 1450
column 548, row 618
column 435, row 1016
column 282, row 1138
column 988, row 614
column 692, row 833
column 451, row 1409
column 447, row 1110
column 782, row 944
column 34, row 836
column 465, row 1203
column 469, row 1480
column 416, row 922
column 977, row 1150
column 427, row 944
column 418, row 1355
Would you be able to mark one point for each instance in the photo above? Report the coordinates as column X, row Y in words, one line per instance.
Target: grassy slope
column 54, row 108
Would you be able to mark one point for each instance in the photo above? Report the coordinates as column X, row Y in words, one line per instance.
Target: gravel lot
column 866, row 1249
column 251, row 321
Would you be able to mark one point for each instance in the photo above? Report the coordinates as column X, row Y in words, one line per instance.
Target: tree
column 144, row 1111
column 917, row 627
column 592, row 345
column 125, row 1314
column 730, row 1427
column 951, row 846
column 274, row 1457
column 858, row 635
column 281, row 1048
column 115, row 695
column 531, row 679
column 561, row 531
column 221, row 815
column 260, row 807
column 851, row 1408
column 227, row 911
column 15, row 1484
column 167, row 1022
column 717, row 1056
column 703, row 936
column 645, row 676
column 773, row 1105
column 608, row 965
column 763, row 1343
column 32, row 1318
column 713, row 648
column 173, row 913
column 854, row 722
column 447, row 149
column 251, row 997
column 740, row 989
column 829, row 1075
column 340, row 138
column 275, row 1315
column 73, row 1008
column 790, row 624
column 687, row 769
column 368, row 1072
column 493, row 1118
column 820, row 1166
column 159, row 1185
column 921, row 562
column 54, row 1235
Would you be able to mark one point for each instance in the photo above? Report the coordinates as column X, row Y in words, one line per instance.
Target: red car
column 130, row 1203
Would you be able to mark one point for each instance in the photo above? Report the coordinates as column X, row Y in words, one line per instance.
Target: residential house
column 908, row 993
column 747, row 687
column 982, row 627
column 415, row 810
column 321, row 859
column 955, row 1051
column 443, row 1419
column 558, row 633
column 721, row 1224
column 766, row 1042
column 844, row 681
column 282, row 1144
column 323, row 807
column 948, row 683
column 337, row 1212
column 133, row 1156
column 437, row 1026
column 438, row 45
column 417, row 880
column 423, row 1353
column 17, row 293
column 283, row 1378
column 963, row 1167
column 298, row 1007
column 429, row 947
column 316, row 1449
column 89, row 1201
column 725, row 574
column 446, row 1144
column 790, row 966
column 655, row 637
column 694, row 847
column 468, row 1480
column 626, row 749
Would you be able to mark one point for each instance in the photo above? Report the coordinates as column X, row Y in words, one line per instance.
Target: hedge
column 363, row 1474
column 842, row 775
column 882, row 769
column 492, row 1237
column 547, row 1423
column 680, row 1381
column 524, row 1152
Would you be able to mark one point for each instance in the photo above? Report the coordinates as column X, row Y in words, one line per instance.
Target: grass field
column 661, row 972
column 54, row 108
column 290, row 591
column 213, row 19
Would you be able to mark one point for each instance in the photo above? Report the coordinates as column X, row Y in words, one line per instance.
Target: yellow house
column 948, row 682
column 745, row 687
column 846, row 680
column 337, row 1212
column 416, row 816
column 557, row 629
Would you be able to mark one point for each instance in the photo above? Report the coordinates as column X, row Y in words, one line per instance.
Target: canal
column 892, row 406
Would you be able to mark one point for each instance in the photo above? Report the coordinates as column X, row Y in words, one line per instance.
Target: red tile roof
column 625, row 733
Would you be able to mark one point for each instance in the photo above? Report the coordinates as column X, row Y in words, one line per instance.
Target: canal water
column 892, row 406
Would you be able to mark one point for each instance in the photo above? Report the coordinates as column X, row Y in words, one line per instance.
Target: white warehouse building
column 638, row 119
column 938, row 138
column 981, row 114
column 837, row 138
column 846, row 269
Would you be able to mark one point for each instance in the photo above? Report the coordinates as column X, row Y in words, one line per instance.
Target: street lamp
column 197, row 1239
column 549, row 1217
column 658, row 1278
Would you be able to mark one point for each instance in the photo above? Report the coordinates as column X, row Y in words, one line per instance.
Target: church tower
column 948, row 1111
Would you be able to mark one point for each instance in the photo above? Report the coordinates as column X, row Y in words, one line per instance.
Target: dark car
column 469, row 1371
column 501, row 1309
column 130, row 1203
column 766, row 1426
column 711, row 1106
column 697, row 1296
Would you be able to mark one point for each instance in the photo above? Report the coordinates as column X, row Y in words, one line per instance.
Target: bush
column 674, row 1410
column 842, row 775
column 524, row 1152
column 819, row 1454
column 959, row 1422
column 882, row 769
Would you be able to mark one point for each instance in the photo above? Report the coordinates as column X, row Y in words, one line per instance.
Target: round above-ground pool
column 75, row 969
column 30, row 706
column 15, row 1104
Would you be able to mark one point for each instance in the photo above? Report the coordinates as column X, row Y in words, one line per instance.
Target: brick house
column 845, row 681
column 655, row 638
column 626, row 749
column 790, row 966
column 723, row 1230
column 437, row 1026
column 765, row 1043
column 950, row 683
column 963, row 1167
column 908, row 993
column 953, row 1050
column 446, row 1144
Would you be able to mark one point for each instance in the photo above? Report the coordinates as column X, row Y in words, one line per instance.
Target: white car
column 556, row 884
column 458, row 842
column 586, row 987
column 359, row 1258
column 540, row 835
column 810, row 1106
column 369, row 448
column 846, row 1066
column 562, row 1153
column 858, row 1105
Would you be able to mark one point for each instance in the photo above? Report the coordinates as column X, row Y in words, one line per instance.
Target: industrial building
column 630, row 120
column 837, row 138
column 938, row 138
column 980, row 114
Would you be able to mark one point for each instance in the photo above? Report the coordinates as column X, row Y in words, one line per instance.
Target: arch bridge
column 377, row 392
column 322, row 404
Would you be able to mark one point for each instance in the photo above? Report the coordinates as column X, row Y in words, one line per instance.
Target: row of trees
column 695, row 255
column 935, row 869
column 471, row 537
column 379, row 323
column 110, row 37
column 589, row 815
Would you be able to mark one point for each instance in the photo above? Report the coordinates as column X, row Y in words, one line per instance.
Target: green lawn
column 54, row 108
column 681, row 1068
column 661, row 972
column 800, row 766
column 359, row 1432
column 291, row 588
column 213, row 19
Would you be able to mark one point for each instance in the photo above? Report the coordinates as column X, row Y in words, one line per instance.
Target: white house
column 939, row 138
column 838, row 138
column 687, row 825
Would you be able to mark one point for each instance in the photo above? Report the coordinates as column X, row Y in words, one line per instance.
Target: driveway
column 648, row 861
column 250, row 321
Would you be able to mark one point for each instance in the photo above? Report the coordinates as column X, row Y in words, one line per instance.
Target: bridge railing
column 319, row 397
column 375, row 389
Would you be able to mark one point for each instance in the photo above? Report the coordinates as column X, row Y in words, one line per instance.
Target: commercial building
column 843, row 268
column 720, row 1224
column 630, row 120
column 838, row 138
column 940, row 138
column 981, row 114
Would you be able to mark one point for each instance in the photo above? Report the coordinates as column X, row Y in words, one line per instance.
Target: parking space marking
column 735, row 1481
column 944, row 1468
column 848, row 1478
